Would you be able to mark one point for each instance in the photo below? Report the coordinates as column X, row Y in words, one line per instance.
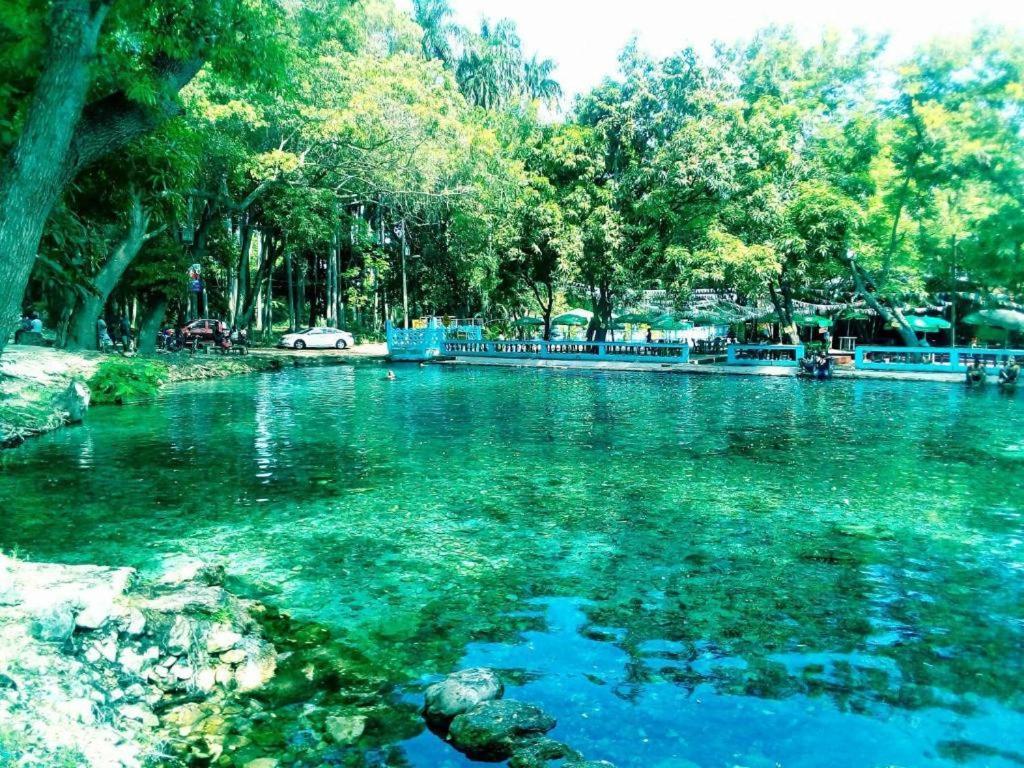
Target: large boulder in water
column 74, row 401
column 460, row 692
column 495, row 730
column 542, row 752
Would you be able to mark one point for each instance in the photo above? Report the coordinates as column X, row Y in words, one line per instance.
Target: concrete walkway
column 699, row 370
column 374, row 351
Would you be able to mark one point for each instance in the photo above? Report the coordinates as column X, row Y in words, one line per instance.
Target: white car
column 317, row 338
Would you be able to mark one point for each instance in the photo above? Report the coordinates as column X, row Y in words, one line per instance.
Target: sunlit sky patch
column 585, row 37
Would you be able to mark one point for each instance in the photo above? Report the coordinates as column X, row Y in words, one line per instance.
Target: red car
column 203, row 330
column 197, row 333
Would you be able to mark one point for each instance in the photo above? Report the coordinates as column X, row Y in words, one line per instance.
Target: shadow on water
column 683, row 570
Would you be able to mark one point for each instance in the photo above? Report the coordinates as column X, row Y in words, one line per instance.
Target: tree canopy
column 330, row 161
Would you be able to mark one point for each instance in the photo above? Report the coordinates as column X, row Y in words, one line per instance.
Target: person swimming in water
column 1010, row 374
column 976, row 374
column 391, row 376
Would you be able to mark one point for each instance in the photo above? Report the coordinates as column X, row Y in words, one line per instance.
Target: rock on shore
column 98, row 669
column 466, row 708
column 460, row 692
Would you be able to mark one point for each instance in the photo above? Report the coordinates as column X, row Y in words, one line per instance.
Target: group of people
column 30, row 323
column 818, row 366
column 1009, row 374
column 122, row 332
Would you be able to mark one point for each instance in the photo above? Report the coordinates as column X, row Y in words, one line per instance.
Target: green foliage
column 323, row 136
column 125, row 380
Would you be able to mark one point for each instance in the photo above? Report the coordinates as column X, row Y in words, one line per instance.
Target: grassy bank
column 34, row 380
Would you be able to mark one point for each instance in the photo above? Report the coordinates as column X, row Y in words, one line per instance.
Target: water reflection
column 732, row 571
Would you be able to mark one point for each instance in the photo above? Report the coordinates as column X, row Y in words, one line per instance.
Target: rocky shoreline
column 101, row 668
column 469, row 710
column 42, row 389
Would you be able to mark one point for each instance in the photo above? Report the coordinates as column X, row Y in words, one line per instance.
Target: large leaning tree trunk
column 32, row 175
column 82, row 333
column 890, row 315
column 547, row 305
column 62, row 134
column 153, row 312
column 601, row 301
column 782, row 300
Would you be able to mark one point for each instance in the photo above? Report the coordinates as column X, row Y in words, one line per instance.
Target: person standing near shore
column 125, row 334
column 24, row 327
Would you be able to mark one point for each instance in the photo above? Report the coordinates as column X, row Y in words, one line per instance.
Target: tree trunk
column 602, row 319
column 82, row 332
column 149, row 325
column 62, row 134
column 32, row 176
column 302, row 319
column 291, row 288
column 889, row 315
column 783, row 303
column 241, row 294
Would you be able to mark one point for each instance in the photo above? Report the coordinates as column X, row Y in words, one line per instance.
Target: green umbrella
column 815, row 320
column 926, row 324
column 855, row 314
column 634, row 318
column 577, row 318
column 670, row 323
column 529, row 322
column 1007, row 319
column 712, row 318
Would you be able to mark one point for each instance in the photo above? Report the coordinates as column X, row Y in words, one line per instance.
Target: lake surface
column 685, row 571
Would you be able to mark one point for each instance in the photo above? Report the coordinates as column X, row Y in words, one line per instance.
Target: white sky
column 586, row 36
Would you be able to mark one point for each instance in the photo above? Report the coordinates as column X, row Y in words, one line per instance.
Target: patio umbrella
column 855, row 314
column 712, row 317
column 634, row 318
column 1007, row 319
column 926, row 324
column 670, row 323
column 814, row 320
column 576, row 318
column 529, row 322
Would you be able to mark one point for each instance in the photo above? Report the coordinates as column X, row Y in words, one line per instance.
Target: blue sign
column 196, row 286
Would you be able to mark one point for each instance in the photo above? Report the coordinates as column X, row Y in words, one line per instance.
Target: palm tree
column 539, row 83
column 490, row 71
column 434, row 18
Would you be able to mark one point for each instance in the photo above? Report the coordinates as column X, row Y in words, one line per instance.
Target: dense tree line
column 340, row 162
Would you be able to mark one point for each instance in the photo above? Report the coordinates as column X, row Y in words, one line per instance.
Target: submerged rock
column 54, row 623
column 495, row 730
column 74, row 401
column 540, row 752
column 221, row 639
column 345, row 730
column 460, row 692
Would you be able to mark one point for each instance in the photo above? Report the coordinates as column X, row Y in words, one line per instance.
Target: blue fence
column 930, row 359
column 634, row 352
column 764, row 354
column 425, row 343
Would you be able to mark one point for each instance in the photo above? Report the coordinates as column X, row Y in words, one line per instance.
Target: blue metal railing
column 426, row 343
column 930, row 359
column 787, row 355
column 622, row 351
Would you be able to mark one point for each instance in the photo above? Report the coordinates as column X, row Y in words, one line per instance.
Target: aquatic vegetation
column 125, row 380
column 600, row 539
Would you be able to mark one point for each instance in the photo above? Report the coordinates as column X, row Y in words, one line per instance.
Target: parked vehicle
column 198, row 333
column 317, row 338
column 204, row 330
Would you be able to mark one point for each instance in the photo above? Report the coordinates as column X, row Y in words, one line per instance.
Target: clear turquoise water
column 708, row 571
